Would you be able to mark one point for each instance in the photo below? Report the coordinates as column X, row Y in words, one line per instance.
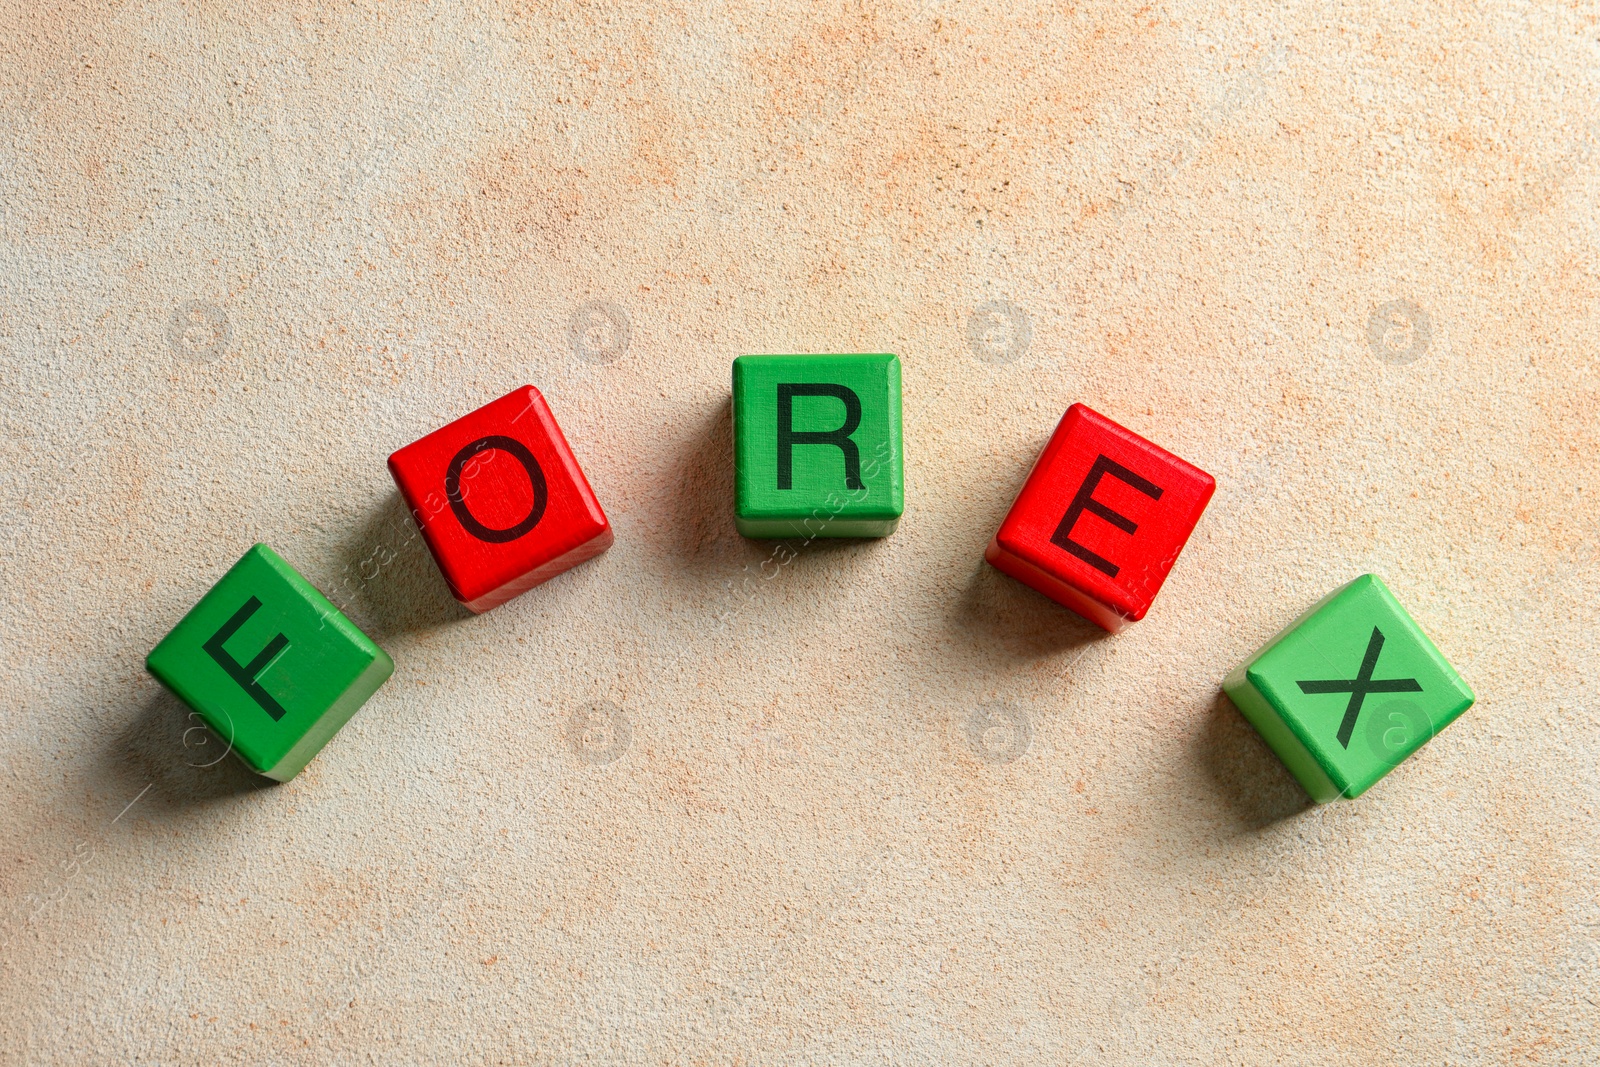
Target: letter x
column 1359, row 686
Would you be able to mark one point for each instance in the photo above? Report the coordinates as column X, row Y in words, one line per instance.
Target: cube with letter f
column 1101, row 519
column 269, row 665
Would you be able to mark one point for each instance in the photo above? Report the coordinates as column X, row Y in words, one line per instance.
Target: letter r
column 788, row 436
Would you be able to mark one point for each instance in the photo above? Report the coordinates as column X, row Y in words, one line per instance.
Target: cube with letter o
column 501, row 500
column 1101, row 519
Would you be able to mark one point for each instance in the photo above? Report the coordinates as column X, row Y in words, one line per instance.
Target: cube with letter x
column 501, row 500
column 1101, row 519
column 816, row 446
column 1348, row 690
column 269, row 664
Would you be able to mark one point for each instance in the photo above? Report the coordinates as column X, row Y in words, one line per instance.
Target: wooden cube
column 1348, row 690
column 270, row 665
column 816, row 446
column 501, row 500
column 1101, row 519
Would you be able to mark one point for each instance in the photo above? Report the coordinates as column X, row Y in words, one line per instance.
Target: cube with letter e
column 1101, row 519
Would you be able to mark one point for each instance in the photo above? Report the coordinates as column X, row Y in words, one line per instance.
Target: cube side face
column 1105, row 512
column 818, row 450
column 1359, row 685
column 270, row 665
column 501, row 500
column 819, row 525
column 1102, row 615
column 1261, row 714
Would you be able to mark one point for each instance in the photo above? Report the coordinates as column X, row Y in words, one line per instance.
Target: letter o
column 452, row 489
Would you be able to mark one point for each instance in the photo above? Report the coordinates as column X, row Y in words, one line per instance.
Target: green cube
column 1348, row 690
column 270, row 664
column 816, row 446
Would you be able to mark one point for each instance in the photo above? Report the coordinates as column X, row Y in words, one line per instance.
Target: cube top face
column 1102, row 516
column 817, row 446
column 272, row 667
column 501, row 500
column 1358, row 684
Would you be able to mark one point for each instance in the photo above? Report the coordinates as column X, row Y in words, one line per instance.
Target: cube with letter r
column 817, row 446
column 269, row 664
column 1101, row 519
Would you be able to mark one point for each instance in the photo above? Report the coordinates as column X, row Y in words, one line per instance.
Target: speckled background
column 839, row 803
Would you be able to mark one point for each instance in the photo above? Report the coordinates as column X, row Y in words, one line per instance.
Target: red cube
column 501, row 500
column 1101, row 519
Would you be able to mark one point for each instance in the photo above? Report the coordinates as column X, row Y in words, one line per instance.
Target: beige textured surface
column 246, row 253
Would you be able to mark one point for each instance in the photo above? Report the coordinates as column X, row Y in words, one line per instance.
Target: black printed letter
column 788, row 437
column 245, row 673
column 458, row 503
column 1085, row 501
